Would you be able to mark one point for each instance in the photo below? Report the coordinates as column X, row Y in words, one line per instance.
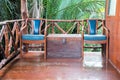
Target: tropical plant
column 54, row 9
column 9, row 9
column 75, row 9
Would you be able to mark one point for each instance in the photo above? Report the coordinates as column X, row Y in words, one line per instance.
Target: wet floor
column 32, row 67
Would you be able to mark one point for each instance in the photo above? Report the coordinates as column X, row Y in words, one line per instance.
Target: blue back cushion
column 92, row 25
column 36, row 24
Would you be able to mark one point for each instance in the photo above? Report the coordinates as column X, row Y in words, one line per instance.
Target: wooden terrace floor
column 32, row 67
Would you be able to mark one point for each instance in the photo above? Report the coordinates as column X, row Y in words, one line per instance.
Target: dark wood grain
column 33, row 67
column 64, row 46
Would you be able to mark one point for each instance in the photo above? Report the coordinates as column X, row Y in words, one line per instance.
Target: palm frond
column 74, row 9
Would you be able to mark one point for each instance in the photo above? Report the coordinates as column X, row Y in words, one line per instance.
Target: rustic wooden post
column 24, row 15
column 24, row 12
column 24, row 9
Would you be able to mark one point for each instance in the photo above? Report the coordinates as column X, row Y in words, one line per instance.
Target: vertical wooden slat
column 53, row 26
column 82, row 33
column 2, row 32
column 6, row 42
column 17, row 36
column 78, row 28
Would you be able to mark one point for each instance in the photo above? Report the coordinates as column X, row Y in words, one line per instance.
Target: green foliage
column 9, row 9
column 56, row 9
column 75, row 9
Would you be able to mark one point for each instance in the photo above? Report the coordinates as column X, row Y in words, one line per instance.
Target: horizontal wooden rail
column 49, row 20
column 11, row 21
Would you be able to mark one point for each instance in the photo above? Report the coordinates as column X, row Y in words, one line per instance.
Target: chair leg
column 20, row 48
column 103, row 50
column 25, row 49
column 82, row 50
column 107, row 53
column 45, row 53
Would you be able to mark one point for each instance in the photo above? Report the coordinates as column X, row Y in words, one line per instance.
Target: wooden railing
column 9, row 40
column 64, row 26
column 70, row 26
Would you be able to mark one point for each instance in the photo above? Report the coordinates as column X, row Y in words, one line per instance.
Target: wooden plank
column 32, row 67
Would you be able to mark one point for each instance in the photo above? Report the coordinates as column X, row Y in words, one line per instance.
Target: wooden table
column 64, row 46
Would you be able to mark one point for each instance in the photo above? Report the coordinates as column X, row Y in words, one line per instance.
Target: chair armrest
column 105, row 28
column 106, row 31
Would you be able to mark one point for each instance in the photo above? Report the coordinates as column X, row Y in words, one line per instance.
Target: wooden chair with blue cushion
column 92, row 36
column 32, row 35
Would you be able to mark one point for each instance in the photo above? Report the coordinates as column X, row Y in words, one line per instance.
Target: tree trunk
column 24, row 9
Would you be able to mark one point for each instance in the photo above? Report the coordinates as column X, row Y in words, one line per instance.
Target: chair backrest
column 92, row 27
column 36, row 25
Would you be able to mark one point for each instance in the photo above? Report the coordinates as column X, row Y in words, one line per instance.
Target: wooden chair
column 33, row 36
column 91, row 35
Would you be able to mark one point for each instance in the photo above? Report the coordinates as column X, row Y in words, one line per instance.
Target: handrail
column 75, row 20
column 62, row 20
column 75, row 24
column 10, row 21
column 10, row 32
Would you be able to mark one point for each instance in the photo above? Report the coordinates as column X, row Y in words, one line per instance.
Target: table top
column 64, row 35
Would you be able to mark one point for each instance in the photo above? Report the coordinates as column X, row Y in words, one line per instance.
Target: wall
column 113, row 24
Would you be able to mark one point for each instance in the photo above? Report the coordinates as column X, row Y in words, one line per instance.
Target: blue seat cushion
column 96, row 37
column 32, row 37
